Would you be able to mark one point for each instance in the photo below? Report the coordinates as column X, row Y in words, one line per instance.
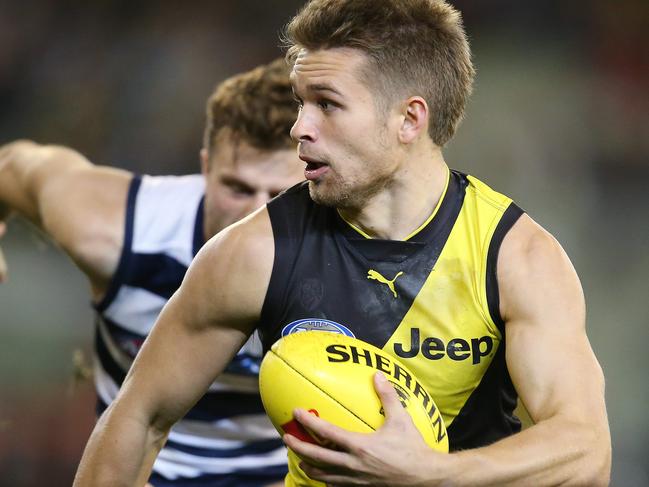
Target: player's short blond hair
column 415, row 48
column 257, row 107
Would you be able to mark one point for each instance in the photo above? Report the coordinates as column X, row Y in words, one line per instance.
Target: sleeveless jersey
column 226, row 435
column 430, row 300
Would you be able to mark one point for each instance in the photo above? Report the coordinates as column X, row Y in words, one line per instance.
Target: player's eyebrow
column 323, row 87
column 236, row 182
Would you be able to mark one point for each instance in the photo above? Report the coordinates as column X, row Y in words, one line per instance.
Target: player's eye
column 239, row 189
column 326, row 105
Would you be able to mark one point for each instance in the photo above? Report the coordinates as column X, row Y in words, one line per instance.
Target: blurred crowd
column 74, row 71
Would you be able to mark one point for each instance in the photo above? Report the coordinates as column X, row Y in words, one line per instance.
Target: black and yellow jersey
column 431, row 300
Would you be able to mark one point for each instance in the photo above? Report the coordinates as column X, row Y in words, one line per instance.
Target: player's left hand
column 394, row 455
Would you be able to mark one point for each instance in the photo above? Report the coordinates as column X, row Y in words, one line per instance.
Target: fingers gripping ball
column 331, row 375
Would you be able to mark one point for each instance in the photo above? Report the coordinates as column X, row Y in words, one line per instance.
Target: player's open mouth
column 314, row 169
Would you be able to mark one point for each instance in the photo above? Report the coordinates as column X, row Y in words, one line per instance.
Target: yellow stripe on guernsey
column 447, row 337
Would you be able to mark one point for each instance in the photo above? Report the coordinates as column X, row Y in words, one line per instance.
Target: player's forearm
column 553, row 452
column 17, row 161
column 25, row 170
column 120, row 452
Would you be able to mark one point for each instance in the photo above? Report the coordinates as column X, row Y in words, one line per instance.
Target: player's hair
column 415, row 47
column 257, row 106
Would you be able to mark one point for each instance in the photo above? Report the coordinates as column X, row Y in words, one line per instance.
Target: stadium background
column 559, row 121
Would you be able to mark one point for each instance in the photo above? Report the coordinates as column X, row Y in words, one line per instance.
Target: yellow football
column 331, row 375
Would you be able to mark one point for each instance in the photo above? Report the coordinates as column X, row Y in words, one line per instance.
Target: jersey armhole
column 199, row 234
column 275, row 294
column 118, row 278
column 509, row 217
column 285, row 212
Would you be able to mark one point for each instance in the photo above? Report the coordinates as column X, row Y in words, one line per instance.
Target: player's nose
column 304, row 128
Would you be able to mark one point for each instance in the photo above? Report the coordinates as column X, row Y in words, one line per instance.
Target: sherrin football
column 331, row 375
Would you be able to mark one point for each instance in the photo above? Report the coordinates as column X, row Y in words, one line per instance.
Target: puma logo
column 372, row 274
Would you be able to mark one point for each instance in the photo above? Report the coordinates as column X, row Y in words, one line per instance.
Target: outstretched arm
column 198, row 332
column 79, row 205
column 555, row 373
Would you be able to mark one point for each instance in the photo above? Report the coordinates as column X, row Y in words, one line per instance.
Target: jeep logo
column 457, row 349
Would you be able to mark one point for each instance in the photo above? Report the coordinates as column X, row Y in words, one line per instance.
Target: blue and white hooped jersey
column 227, row 432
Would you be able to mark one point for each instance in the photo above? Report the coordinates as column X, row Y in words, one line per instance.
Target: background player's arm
column 79, row 205
column 554, row 371
column 198, row 332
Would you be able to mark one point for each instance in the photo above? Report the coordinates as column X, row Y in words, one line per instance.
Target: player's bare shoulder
column 234, row 267
column 535, row 274
column 246, row 246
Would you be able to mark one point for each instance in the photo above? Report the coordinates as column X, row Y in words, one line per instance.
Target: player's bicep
column 86, row 215
column 178, row 360
column 84, row 201
column 554, row 374
column 548, row 354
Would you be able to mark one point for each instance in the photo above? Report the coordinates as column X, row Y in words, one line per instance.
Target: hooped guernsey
column 225, row 439
column 431, row 300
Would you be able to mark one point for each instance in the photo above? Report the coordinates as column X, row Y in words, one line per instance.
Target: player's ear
column 205, row 161
column 414, row 114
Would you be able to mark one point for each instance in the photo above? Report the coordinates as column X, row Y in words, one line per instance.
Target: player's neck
column 402, row 207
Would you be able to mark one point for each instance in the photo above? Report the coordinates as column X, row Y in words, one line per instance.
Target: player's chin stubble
column 346, row 195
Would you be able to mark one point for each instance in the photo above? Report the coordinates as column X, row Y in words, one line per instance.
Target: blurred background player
column 134, row 236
